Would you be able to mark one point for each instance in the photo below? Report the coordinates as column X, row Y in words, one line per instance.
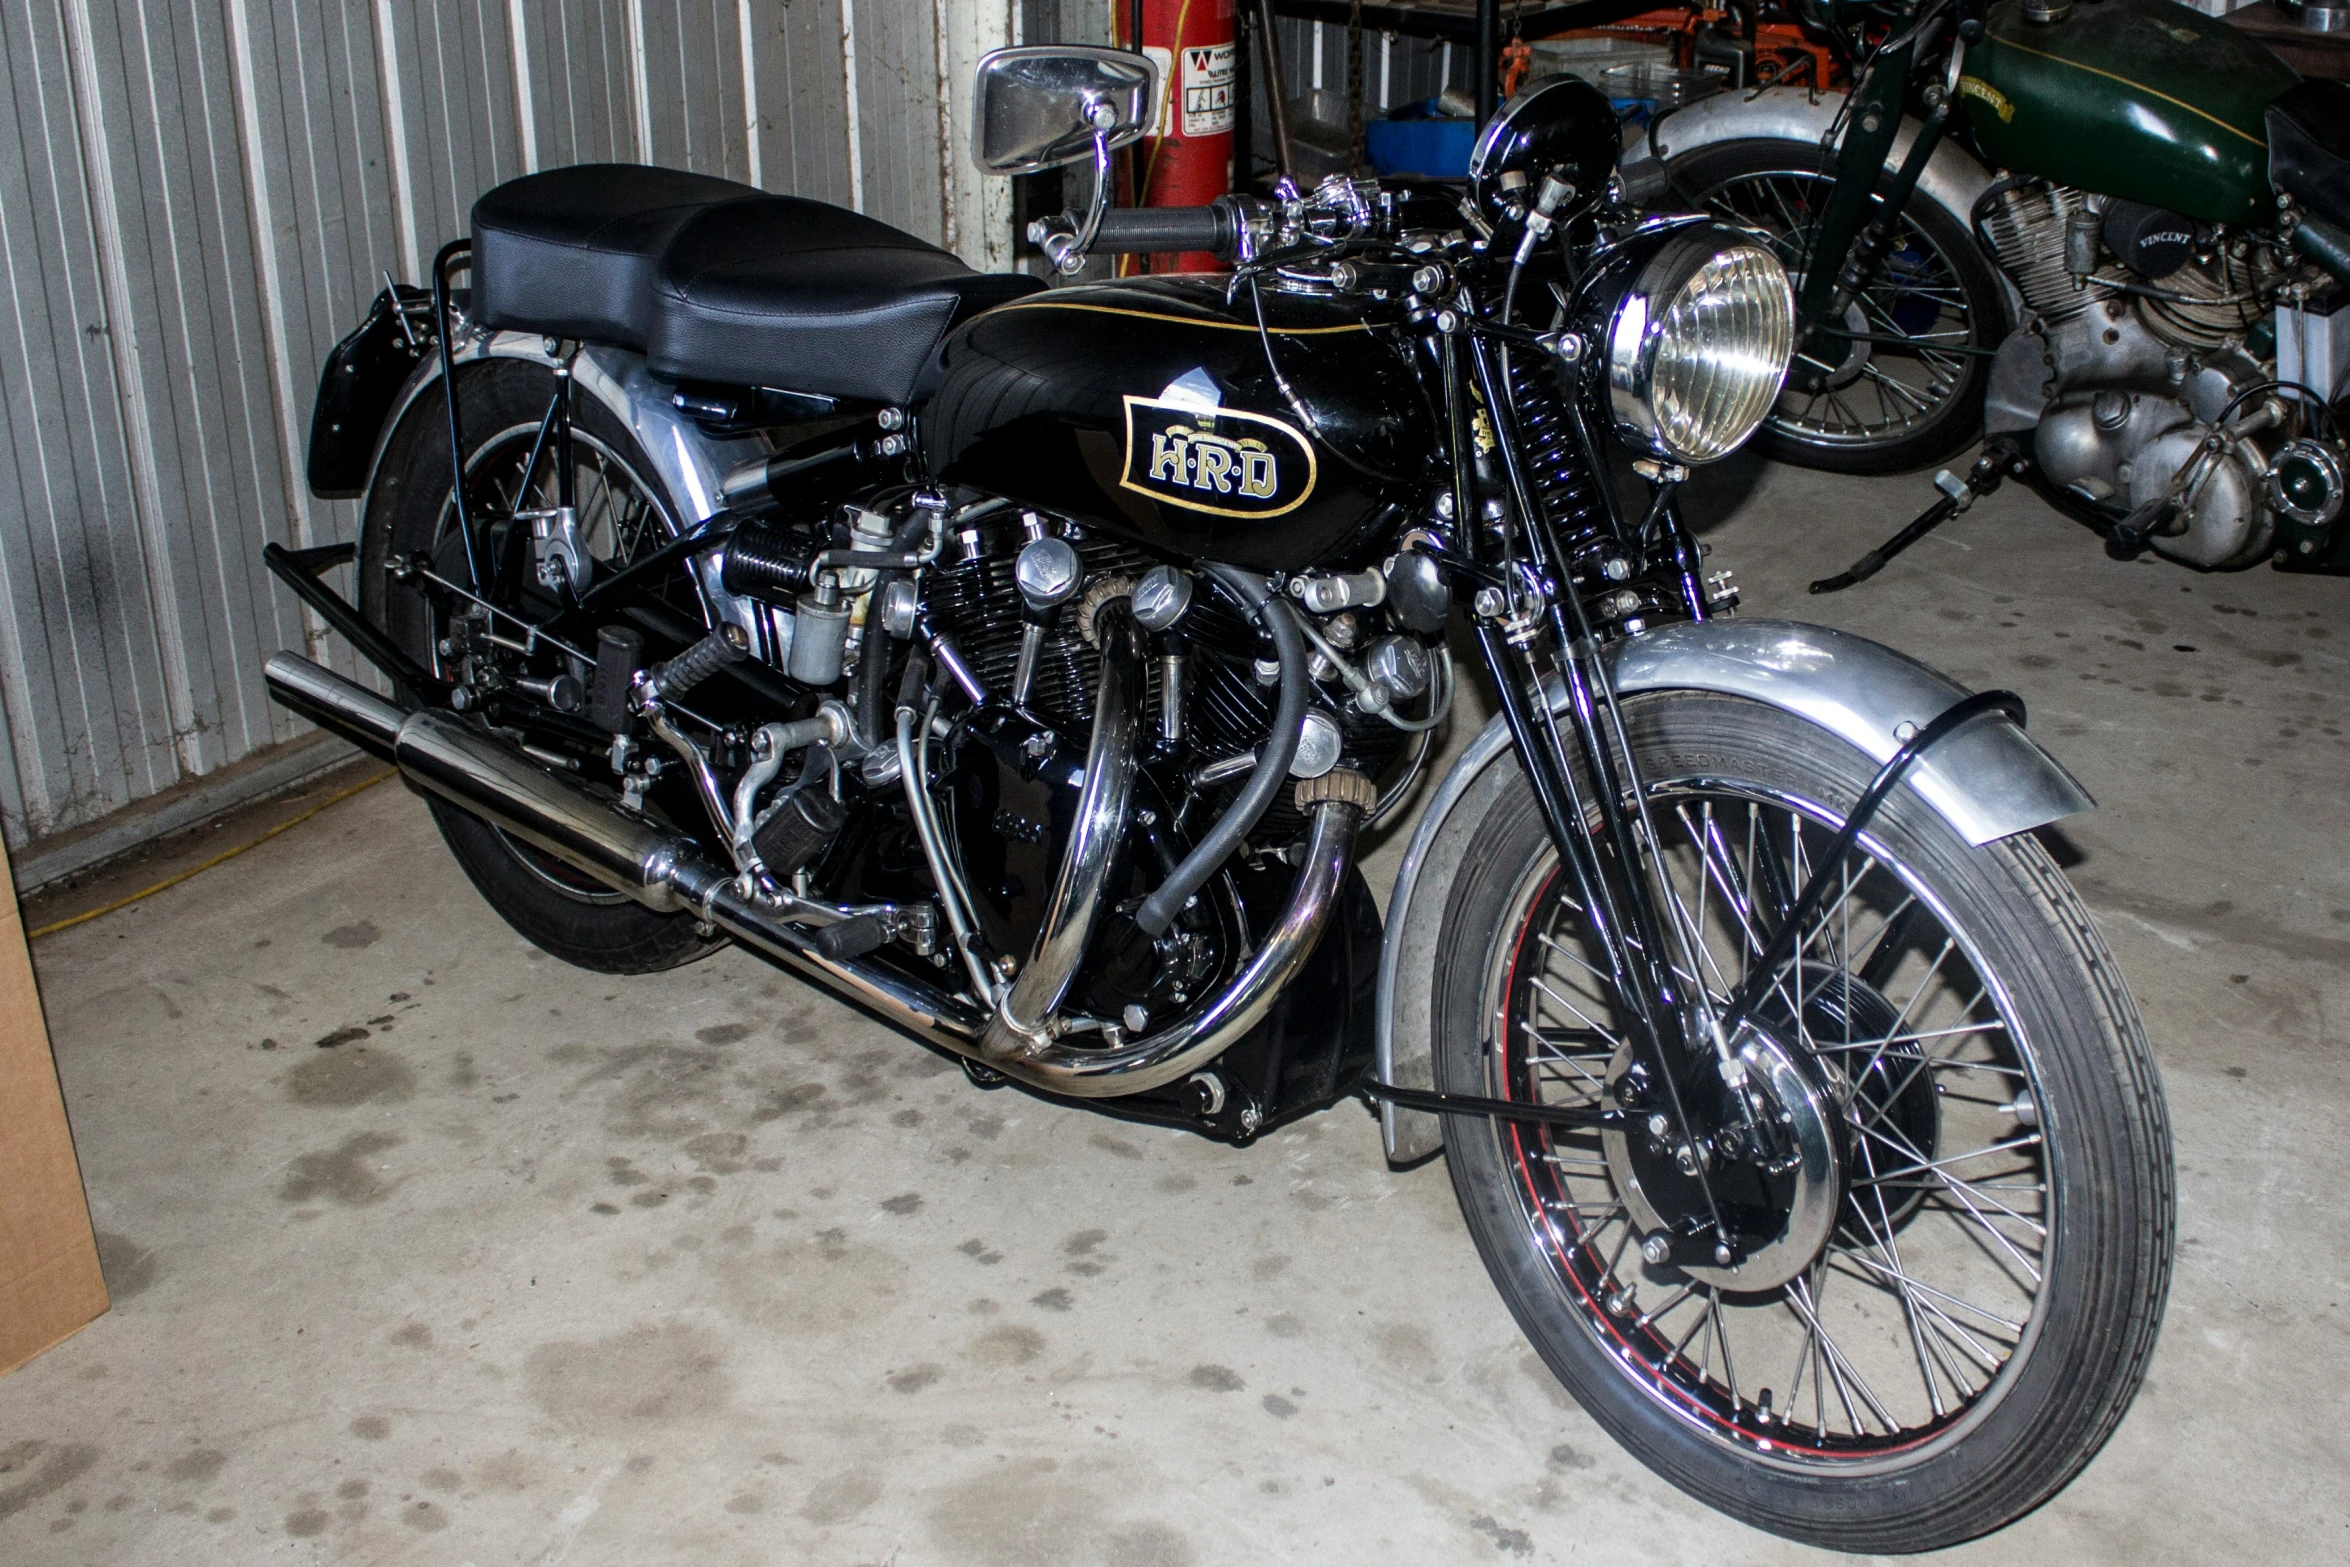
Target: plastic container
column 1435, row 148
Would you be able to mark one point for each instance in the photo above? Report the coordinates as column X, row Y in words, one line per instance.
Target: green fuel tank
column 2142, row 99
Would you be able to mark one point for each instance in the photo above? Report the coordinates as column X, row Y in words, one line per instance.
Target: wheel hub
column 1832, row 362
column 1779, row 1200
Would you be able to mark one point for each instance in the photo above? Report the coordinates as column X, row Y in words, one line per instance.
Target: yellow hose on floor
column 221, row 858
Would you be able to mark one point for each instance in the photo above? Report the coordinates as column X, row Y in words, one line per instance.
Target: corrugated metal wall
column 205, row 194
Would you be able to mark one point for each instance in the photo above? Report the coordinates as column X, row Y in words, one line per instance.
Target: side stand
column 1989, row 472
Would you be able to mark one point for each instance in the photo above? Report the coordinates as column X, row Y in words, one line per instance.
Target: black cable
column 1158, row 911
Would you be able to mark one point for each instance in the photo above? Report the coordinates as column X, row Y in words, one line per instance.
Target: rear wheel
column 1954, row 1267
column 623, row 515
column 1900, row 380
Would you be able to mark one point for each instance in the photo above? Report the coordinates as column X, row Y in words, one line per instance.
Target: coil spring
column 1563, row 481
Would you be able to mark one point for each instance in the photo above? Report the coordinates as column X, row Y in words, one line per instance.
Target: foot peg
column 852, row 938
column 690, row 668
column 2128, row 538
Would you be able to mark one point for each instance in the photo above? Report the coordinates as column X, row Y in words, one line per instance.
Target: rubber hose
column 873, row 659
column 1272, row 772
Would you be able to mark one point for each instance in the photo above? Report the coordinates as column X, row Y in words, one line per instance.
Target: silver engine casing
column 2122, row 397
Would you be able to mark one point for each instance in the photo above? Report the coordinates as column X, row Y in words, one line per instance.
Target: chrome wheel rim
column 1908, row 1325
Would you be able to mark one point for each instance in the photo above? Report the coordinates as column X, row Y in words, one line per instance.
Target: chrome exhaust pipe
column 1024, row 1021
column 660, row 869
column 1098, row 1072
column 1026, row 1038
column 667, row 871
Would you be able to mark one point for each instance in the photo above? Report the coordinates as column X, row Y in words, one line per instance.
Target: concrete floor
column 536, row 1266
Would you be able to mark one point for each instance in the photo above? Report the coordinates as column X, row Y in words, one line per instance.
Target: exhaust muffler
column 664, row 870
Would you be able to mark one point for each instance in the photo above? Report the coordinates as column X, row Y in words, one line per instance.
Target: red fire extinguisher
column 1188, row 162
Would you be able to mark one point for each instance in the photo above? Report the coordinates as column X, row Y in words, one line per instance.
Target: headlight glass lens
column 1695, row 365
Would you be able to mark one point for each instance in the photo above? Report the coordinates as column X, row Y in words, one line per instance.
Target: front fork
column 1598, row 814
column 1843, row 256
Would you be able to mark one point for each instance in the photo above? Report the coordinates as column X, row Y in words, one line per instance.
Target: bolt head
column 1722, row 1255
column 1048, row 572
column 1161, row 598
column 1489, row 603
column 1657, row 1250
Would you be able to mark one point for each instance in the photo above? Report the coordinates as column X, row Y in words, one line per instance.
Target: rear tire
column 2049, row 1019
column 554, row 908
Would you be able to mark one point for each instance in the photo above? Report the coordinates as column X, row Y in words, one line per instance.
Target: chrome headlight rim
column 1640, row 323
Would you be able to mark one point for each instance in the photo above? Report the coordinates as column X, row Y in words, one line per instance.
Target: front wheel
column 1954, row 1268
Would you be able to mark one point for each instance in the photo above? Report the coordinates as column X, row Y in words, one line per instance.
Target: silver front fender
column 1988, row 781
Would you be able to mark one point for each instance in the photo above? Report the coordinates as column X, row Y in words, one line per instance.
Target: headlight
column 1698, row 347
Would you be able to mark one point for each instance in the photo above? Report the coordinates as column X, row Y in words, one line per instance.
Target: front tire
column 625, row 513
column 1972, row 1301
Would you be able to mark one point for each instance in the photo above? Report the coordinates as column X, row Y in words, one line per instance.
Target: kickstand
column 1989, row 472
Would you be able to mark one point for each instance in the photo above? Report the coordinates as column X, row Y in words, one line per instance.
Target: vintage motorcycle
column 1024, row 665
column 2107, row 235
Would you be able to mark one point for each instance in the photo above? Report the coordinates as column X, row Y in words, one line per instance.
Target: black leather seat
column 780, row 291
column 2309, row 146
column 571, row 251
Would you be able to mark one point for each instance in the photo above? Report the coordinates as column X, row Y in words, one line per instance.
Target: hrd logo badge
column 1215, row 459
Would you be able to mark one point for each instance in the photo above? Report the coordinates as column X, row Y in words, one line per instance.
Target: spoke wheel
column 1954, row 1234
column 623, row 514
column 621, row 519
column 1898, row 380
column 1924, row 1240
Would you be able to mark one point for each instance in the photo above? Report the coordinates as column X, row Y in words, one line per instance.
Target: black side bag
column 355, row 392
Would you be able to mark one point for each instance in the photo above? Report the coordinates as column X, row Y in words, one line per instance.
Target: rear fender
column 689, row 464
column 362, row 383
column 1989, row 781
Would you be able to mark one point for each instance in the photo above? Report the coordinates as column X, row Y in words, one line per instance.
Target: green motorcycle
column 2112, row 237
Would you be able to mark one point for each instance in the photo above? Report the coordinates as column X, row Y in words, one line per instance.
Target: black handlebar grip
column 1213, row 228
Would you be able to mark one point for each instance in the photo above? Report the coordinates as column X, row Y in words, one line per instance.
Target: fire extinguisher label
column 1207, row 89
column 1164, row 59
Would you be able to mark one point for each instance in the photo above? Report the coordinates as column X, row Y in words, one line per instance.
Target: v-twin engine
column 2137, row 384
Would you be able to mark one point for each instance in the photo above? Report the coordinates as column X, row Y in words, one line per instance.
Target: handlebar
column 1215, row 228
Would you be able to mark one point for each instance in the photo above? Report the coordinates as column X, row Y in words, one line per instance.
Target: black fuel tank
column 1147, row 408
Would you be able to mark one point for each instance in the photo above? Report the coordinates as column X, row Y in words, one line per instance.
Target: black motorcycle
column 1024, row 665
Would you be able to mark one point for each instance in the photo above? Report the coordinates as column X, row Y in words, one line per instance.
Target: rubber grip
column 851, row 938
column 617, row 650
column 695, row 665
column 1166, row 229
